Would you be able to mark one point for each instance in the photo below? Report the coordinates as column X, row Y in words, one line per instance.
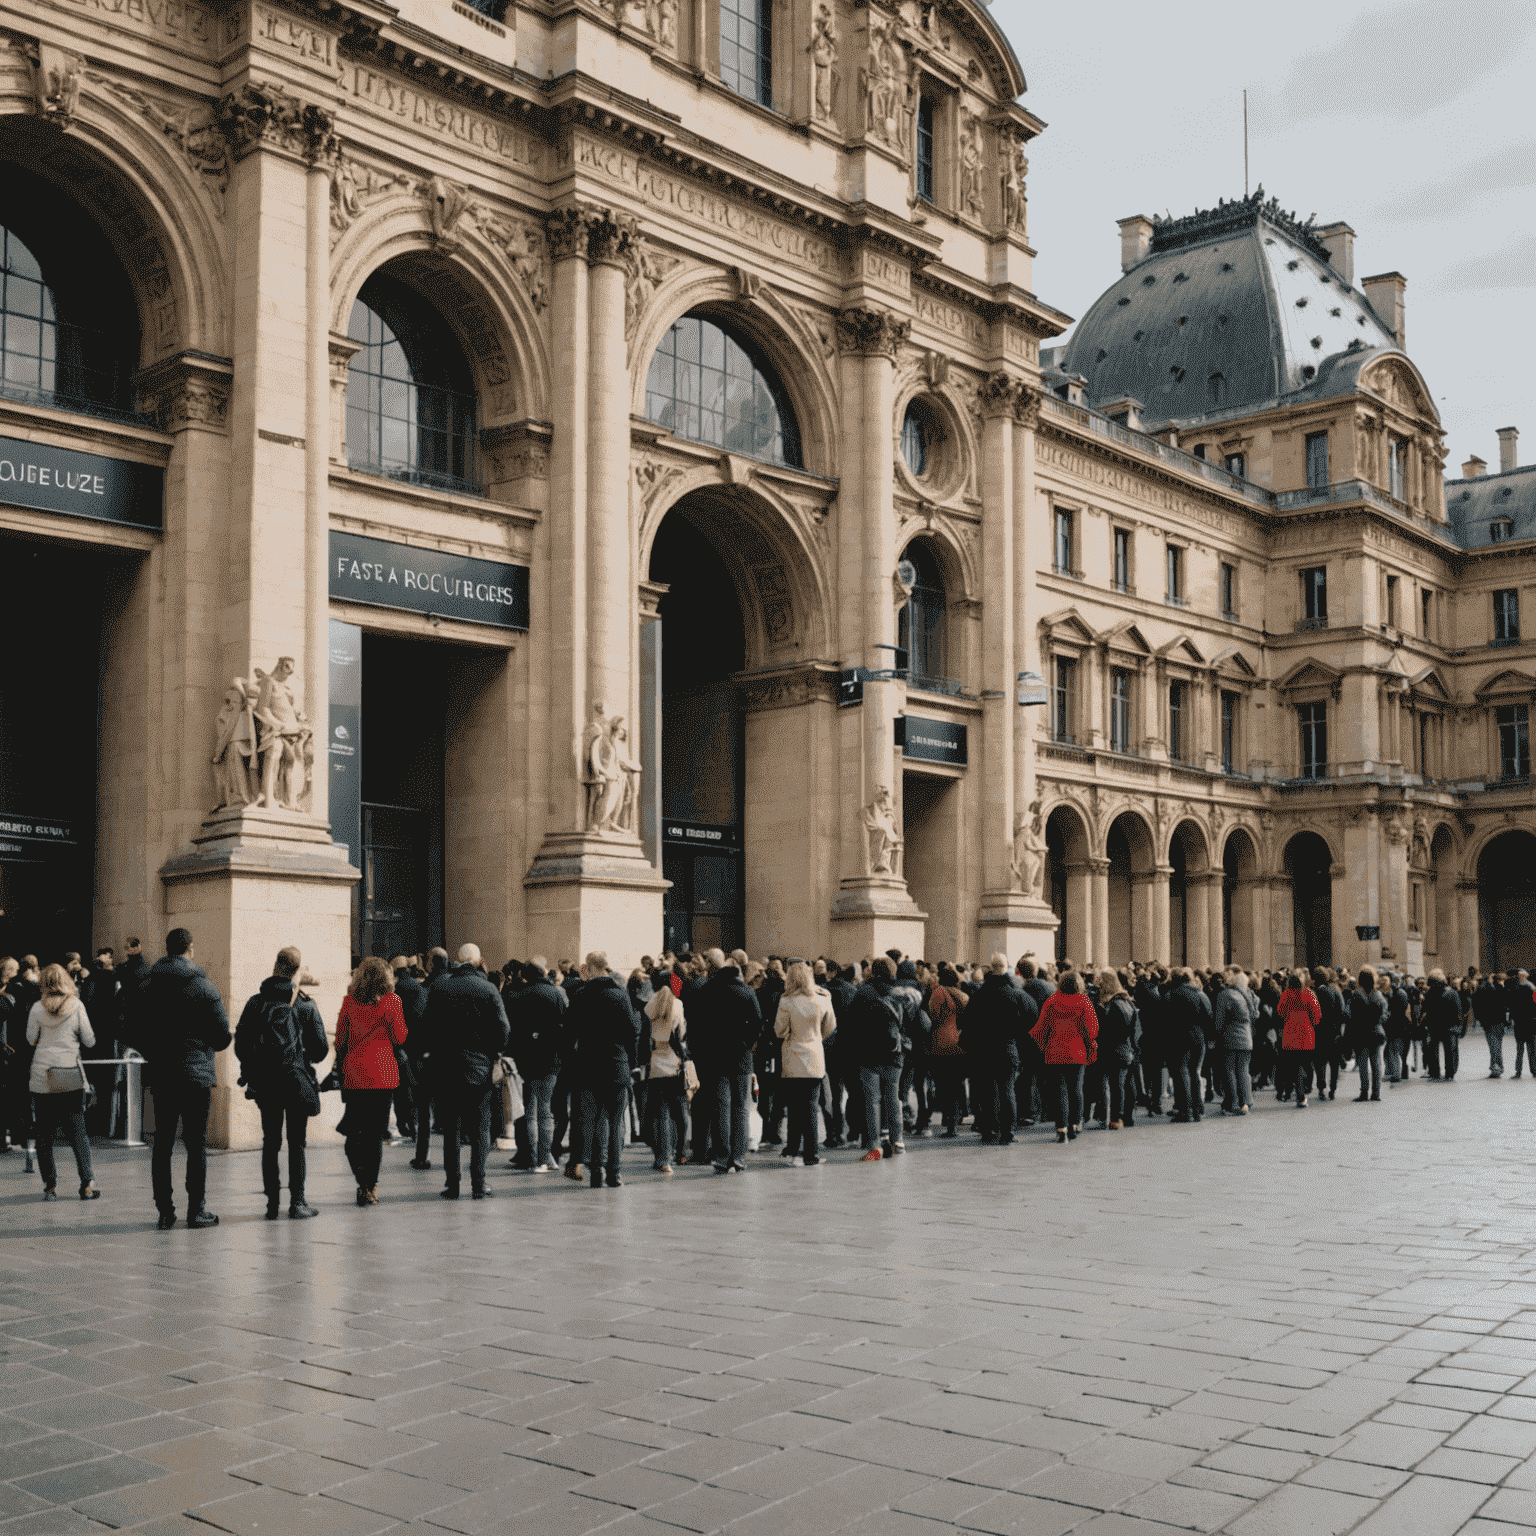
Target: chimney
column 1385, row 293
column 1135, row 240
column 1340, row 240
column 1473, row 469
column 1509, row 453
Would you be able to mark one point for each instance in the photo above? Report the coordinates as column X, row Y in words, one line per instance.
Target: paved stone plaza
column 1304, row 1322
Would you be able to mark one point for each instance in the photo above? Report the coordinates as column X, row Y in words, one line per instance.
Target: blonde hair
column 57, row 982
column 664, row 1007
column 1109, row 986
column 800, row 982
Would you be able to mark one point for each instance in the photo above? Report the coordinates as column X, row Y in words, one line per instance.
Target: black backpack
column 282, row 1062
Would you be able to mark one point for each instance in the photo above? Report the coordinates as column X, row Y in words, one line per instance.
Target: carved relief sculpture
column 1015, row 169
column 234, row 751
column 645, row 271
column 1029, row 853
column 286, row 743
column 264, row 113
column 666, row 23
column 885, row 85
column 610, row 774
column 195, row 130
column 447, row 203
column 355, row 185
column 56, row 82
column 882, row 837
column 971, row 160
column 823, row 52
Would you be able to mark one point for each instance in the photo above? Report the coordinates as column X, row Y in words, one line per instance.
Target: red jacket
column 366, row 1037
column 1067, row 1031
column 1301, row 1015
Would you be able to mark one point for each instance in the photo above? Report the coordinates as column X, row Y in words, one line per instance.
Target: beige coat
column 803, row 1023
column 664, row 1060
column 58, row 1033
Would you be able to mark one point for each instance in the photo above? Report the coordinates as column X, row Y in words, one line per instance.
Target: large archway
column 1442, row 947
column 1068, row 885
column 1240, row 929
column 1309, row 863
column 1188, row 898
column 1133, row 925
column 1506, row 902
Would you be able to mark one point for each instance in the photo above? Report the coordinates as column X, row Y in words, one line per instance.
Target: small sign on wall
column 931, row 741
column 388, row 575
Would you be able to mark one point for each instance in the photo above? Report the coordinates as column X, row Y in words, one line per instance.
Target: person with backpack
column 1119, row 1032
column 876, row 1022
column 277, row 1041
column 946, row 1003
column 1067, row 1033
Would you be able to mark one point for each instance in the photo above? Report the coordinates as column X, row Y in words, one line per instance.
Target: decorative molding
column 871, row 332
column 190, row 389
column 263, row 114
column 790, row 688
column 354, row 185
column 195, row 130
column 56, row 76
column 567, row 229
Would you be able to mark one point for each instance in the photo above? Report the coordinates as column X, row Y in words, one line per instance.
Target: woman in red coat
column 1067, row 1033
column 371, row 1025
column 1299, row 1017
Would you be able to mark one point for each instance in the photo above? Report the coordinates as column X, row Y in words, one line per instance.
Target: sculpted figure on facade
column 611, row 775
column 195, row 130
column 286, row 742
column 972, row 158
column 1015, row 169
column 56, row 81
column 264, row 113
column 234, row 751
column 885, row 84
column 447, row 203
column 1419, row 855
column 882, row 837
column 666, row 23
column 353, row 186
column 1029, row 852
column 628, row 817
column 824, row 61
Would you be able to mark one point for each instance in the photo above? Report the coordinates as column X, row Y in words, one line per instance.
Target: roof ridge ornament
column 1228, row 217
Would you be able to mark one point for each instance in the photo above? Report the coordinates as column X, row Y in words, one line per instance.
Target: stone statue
column 970, row 169
column 234, row 752
column 823, row 52
column 882, row 837
column 885, row 86
column 666, row 23
column 286, row 744
column 611, row 775
column 57, row 83
column 446, row 205
column 1015, row 169
column 628, row 818
column 1029, row 852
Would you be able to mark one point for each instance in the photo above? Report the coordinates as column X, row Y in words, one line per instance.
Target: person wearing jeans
column 539, row 1103
column 662, row 1054
column 874, row 1024
column 535, row 1032
column 725, row 1021
column 1117, row 1049
column 603, row 1032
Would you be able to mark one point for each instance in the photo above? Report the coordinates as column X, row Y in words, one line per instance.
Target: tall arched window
column 920, row 629
column 710, row 387
column 410, row 405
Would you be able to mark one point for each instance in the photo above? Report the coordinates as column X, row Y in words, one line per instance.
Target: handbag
column 66, row 1079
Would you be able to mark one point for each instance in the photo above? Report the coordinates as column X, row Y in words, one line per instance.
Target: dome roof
column 1236, row 307
column 1504, row 501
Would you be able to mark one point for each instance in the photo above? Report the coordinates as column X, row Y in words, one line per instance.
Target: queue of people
column 702, row 1056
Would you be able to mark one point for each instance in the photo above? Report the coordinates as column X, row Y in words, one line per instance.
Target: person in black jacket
column 1332, row 1035
column 466, row 1027
column 1186, row 1013
column 1399, row 1029
column 413, row 1098
column 280, row 1032
column 998, row 1017
column 536, row 1019
column 603, row 1036
column 1442, row 1027
column 1490, row 1007
column 1522, row 1018
column 181, row 1025
column 880, row 1014
column 840, row 1074
column 1148, row 998
column 1031, row 1063
column 723, row 1025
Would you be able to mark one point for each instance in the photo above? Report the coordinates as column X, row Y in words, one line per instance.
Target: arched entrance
column 1188, row 918
column 1132, row 921
column 702, row 755
column 1239, row 865
column 1441, row 947
column 1506, row 902
column 1068, row 881
column 1309, row 863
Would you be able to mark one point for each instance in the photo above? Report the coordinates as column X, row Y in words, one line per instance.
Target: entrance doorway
column 930, row 829
column 1310, row 866
column 55, row 622
column 703, row 644
column 1506, row 899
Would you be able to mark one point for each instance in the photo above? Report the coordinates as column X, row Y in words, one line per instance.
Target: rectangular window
column 1506, row 616
column 1228, row 733
column 1237, row 464
column 1119, row 710
column 1199, row 450
column 1064, row 699
column 1314, row 740
column 1314, row 597
column 1514, row 741
column 1062, row 562
column 1397, row 464
column 1424, row 747
column 1392, row 616
column 1317, row 459
column 1426, row 611
column 746, row 48
column 1122, row 573
column 1177, row 731
column 1228, row 590
column 1176, row 575
column 925, row 148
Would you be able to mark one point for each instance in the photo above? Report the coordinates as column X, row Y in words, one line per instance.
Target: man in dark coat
column 181, row 1026
column 413, row 1100
column 1522, row 1018
column 98, row 992
column 1442, row 1027
column 1148, row 996
column 1186, row 1018
column 1490, row 1007
column 879, row 1015
column 723, row 1025
column 998, row 1018
column 466, row 1027
column 280, row 1033
column 536, row 1017
column 602, row 1033
column 1031, row 1079
column 1399, row 1028
column 839, row 1074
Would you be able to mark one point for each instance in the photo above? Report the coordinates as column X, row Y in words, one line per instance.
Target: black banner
column 931, row 741
column 699, row 834
column 345, row 751
column 387, row 575
column 34, row 839
column 48, row 479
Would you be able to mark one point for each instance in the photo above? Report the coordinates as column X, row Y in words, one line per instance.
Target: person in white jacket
column 58, row 1027
column 805, row 1020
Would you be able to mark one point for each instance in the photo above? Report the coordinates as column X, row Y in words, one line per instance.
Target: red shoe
column 872, row 1156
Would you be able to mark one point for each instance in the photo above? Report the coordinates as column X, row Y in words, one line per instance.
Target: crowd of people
column 704, row 1056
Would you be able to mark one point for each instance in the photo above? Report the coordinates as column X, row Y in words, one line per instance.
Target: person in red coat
column 371, row 1025
column 1067, row 1033
column 1299, row 1017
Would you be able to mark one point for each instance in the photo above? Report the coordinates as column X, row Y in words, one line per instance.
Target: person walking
column 413, row 1102
column 1522, row 1019
column 1237, row 1010
column 842, row 1073
column 1333, row 1033
column 1367, row 1034
column 370, row 1028
column 804, row 1023
column 1186, row 1014
column 181, row 1026
column 1067, row 1033
column 277, row 1041
column 663, row 1055
column 98, row 992
column 466, row 1025
column 1490, row 1007
column 1399, row 1030
column 1299, row 1015
column 604, row 1036
column 726, row 1022
column 59, row 1030
column 1118, row 1036
column 536, row 1027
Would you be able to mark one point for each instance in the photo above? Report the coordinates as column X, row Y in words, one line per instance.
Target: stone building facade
column 584, row 475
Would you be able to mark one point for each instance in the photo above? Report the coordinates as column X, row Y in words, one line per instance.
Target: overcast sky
column 1411, row 122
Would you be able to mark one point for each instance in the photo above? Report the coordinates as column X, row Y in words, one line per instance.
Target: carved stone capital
column 567, row 231
column 1027, row 409
column 998, row 395
column 342, row 350
column 190, row 389
column 611, row 237
column 322, row 149
column 871, row 332
column 265, row 115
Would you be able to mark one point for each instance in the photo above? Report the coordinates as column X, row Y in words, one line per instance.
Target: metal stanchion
column 133, row 1123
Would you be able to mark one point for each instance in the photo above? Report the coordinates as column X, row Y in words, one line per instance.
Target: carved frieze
column 264, row 113
column 195, row 130
column 354, row 185
column 887, row 84
column 871, row 332
column 788, row 689
column 57, row 73
column 186, row 391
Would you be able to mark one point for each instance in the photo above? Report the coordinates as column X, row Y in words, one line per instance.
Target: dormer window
column 1501, row 529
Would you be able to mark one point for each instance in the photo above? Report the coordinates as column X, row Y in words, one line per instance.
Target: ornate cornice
column 871, row 332
column 813, row 683
column 998, row 395
column 568, row 229
column 190, row 389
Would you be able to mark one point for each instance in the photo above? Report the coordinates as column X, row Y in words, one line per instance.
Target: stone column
column 1395, row 892
column 1160, row 926
column 1469, row 939
column 1144, row 940
column 1099, row 886
column 1216, row 917
column 873, row 910
column 317, row 450
column 1080, row 907
column 1198, row 944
